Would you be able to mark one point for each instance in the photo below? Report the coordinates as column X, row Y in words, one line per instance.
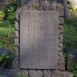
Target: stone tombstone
column 38, row 40
column 39, row 36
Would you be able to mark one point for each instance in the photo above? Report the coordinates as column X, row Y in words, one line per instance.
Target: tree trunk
column 66, row 10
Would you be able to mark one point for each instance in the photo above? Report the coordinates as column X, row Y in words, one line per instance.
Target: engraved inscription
column 40, row 28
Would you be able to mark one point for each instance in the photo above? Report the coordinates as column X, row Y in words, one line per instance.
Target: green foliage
column 74, row 69
column 7, row 33
column 21, row 75
column 2, row 15
column 73, row 9
column 70, row 35
column 70, row 40
column 7, row 36
column 6, row 60
column 9, row 11
column 6, row 41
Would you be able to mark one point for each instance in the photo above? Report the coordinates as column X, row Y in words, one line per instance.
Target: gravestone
column 39, row 35
column 38, row 43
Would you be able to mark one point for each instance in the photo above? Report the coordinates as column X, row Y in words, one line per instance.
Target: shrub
column 74, row 69
column 10, row 10
column 6, row 58
column 2, row 15
column 70, row 35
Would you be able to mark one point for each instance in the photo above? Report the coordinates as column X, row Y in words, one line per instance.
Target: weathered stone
column 24, row 73
column 16, row 51
column 17, row 34
column 68, row 74
column 60, row 30
column 57, row 73
column 23, row 2
column 47, row 73
column 59, row 7
column 34, row 73
column 16, row 42
column 70, row 61
column 15, row 63
column 60, row 40
column 61, row 63
column 38, row 40
column 60, row 46
column 16, row 25
column 61, row 21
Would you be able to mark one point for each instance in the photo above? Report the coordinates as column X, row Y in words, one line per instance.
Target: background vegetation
column 7, row 34
column 70, row 37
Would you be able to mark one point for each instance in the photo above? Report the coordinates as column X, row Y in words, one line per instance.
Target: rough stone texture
column 16, row 34
column 16, row 53
column 70, row 61
column 16, row 26
column 16, row 42
column 36, row 2
column 34, row 73
column 61, row 63
column 15, row 64
column 68, row 74
column 47, row 73
column 24, row 73
column 57, row 73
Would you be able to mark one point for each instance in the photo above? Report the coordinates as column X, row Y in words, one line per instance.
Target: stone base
column 42, row 73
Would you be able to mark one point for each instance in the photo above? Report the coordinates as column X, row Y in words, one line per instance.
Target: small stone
column 24, row 72
column 33, row 73
column 70, row 61
column 68, row 74
column 47, row 73
column 61, row 63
